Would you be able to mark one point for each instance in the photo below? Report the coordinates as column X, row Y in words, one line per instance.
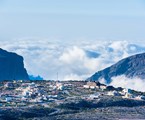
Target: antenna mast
column 57, row 76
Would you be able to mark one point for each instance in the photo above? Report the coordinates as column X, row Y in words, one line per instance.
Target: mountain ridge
column 133, row 66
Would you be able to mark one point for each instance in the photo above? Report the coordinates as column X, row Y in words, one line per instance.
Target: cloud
column 125, row 82
column 72, row 60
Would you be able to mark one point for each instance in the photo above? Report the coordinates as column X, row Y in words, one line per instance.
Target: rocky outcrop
column 133, row 66
column 11, row 66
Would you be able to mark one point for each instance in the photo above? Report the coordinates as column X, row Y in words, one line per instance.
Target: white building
column 126, row 90
column 113, row 93
column 86, row 86
column 127, row 93
column 91, row 85
column 103, row 87
column 94, row 96
column 59, row 86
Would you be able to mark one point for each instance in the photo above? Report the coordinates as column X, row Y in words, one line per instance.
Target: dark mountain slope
column 11, row 66
column 133, row 66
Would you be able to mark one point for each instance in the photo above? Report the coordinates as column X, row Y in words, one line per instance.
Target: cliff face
column 11, row 66
column 133, row 66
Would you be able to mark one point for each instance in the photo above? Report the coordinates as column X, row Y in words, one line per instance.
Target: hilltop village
column 29, row 93
column 68, row 100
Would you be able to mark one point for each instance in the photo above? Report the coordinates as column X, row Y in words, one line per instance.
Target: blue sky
column 73, row 19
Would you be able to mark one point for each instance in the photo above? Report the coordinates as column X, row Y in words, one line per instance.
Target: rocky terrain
column 11, row 66
column 80, row 111
column 68, row 100
column 105, row 113
column 133, row 66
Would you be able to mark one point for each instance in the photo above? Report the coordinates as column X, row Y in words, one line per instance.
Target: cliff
column 12, row 66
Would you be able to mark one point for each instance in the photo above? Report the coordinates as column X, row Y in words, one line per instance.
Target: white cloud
column 132, row 83
column 70, row 60
column 72, row 55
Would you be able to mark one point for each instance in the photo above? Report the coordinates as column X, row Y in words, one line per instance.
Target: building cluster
column 111, row 91
column 28, row 92
column 25, row 93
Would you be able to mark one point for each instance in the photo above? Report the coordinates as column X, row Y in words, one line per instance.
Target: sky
column 68, row 20
column 74, row 38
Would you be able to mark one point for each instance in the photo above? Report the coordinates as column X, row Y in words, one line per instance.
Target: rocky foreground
column 68, row 100
column 102, row 113
column 105, row 108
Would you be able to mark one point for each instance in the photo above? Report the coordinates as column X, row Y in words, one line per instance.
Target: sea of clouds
column 132, row 83
column 75, row 60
